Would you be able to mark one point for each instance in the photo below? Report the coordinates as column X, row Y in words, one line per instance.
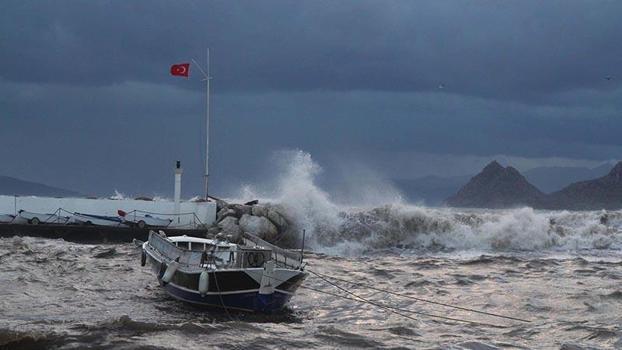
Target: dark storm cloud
column 127, row 136
column 498, row 49
column 417, row 88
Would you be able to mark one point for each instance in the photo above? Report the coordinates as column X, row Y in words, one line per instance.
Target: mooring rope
column 217, row 286
column 393, row 309
column 387, row 307
column 422, row 299
column 402, row 309
column 220, row 296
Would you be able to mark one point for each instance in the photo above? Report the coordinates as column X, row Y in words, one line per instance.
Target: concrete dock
column 89, row 234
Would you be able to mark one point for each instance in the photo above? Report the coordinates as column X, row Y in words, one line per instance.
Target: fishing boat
column 252, row 276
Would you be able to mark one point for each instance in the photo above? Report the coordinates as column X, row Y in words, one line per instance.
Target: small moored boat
column 39, row 218
column 6, row 218
column 142, row 221
column 98, row 220
column 251, row 276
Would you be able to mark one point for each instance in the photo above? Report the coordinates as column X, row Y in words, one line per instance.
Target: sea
column 384, row 274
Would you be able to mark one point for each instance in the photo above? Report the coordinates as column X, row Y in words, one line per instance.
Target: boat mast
column 207, row 78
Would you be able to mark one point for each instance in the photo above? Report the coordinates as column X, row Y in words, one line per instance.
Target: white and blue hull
column 242, row 289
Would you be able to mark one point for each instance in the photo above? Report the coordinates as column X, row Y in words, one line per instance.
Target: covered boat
column 250, row 276
column 38, row 218
column 6, row 218
column 142, row 221
column 98, row 220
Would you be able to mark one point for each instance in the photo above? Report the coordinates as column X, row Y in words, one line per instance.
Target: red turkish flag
column 180, row 70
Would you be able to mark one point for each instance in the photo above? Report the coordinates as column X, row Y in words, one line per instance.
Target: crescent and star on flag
column 181, row 69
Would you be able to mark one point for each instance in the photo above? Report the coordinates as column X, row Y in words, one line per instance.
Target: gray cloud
column 516, row 50
column 86, row 100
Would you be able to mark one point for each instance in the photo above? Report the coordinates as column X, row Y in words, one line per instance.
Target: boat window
column 199, row 247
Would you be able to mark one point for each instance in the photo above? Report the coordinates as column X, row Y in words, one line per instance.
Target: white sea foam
column 391, row 223
column 118, row 195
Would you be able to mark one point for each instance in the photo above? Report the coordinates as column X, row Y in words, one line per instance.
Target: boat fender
column 203, row 283
column 170, row 271
column 143, row 258
column 267, row 285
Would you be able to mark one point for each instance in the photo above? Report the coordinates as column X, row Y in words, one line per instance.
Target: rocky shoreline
column 265, row 221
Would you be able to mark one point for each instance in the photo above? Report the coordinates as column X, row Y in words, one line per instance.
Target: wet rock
column 213, row 231
column 220, row 204
column 277, row 219
column 223, row 213
column 259, row 210
column 230, row 226
column 259, row 226
column 241, row 209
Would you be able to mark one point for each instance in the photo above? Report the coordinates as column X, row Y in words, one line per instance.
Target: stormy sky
column 403, row 88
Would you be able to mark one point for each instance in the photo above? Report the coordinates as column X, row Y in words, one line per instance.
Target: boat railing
column 193, row 258
column 168, row 249
column 282, row 257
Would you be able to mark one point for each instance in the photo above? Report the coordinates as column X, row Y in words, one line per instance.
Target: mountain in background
column 602, row 193
column 497, row 187
column 551, row 179
column 434, row 190
column 12, row 186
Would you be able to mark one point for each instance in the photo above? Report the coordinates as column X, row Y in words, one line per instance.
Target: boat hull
column 231, row 290
column 250, row 301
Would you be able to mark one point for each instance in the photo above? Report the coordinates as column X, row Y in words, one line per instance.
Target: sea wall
column 205, row 211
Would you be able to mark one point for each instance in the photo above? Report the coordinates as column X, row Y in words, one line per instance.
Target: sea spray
column 350, row 228
column 299, row 199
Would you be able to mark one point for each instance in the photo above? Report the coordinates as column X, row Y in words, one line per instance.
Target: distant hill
column 601, row 193
column 551, row 179
column 433, row 190
column 497, row 187
column 13, row 186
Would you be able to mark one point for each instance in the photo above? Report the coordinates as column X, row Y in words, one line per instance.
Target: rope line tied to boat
column 393, row 308
column 422, row 299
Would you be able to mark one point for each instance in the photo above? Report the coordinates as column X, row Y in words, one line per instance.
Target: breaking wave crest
column 387, row 222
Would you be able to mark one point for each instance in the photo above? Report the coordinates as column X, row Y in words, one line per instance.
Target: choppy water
column 55, row 294
column 560, row 269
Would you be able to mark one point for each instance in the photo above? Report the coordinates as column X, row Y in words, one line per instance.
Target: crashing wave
column 387, row 222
